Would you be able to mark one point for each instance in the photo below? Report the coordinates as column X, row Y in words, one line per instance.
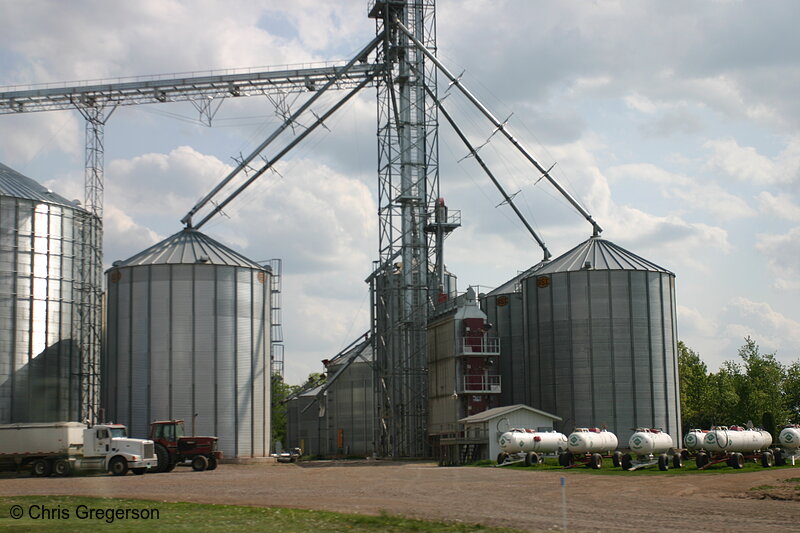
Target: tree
column 791, row 392
column 761, row 386
column 694, row 386
column 281, row 392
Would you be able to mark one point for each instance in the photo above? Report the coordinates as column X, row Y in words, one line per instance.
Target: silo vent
column 203, row 259
column 587, row 265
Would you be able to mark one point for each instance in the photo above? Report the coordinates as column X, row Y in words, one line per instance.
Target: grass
column 66, row 514
column 608, row 469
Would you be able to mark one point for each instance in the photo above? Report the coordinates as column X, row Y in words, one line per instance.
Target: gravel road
column 522, row 499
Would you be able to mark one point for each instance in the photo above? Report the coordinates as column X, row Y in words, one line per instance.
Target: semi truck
column 62, row 448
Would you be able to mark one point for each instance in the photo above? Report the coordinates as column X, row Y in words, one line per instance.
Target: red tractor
column 173, row 448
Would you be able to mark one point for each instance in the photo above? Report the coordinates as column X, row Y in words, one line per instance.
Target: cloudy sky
column 677, row 125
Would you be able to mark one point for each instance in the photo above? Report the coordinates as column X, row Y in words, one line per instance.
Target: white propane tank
column 590, row 440
column 790, row 437
column 694, row 439
column 526, row 440
column 649, row 441
column 736, row 439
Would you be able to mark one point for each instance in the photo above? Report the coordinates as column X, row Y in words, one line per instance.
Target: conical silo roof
column 599, row 254
column 513, row 284
column 189, row 246
column 12, row 183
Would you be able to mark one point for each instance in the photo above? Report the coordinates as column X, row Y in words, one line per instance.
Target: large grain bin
column 41, row 250
column 504, row 311
column 188, row 338
column 602, row 343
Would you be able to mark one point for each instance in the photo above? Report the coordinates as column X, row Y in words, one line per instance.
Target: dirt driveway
column 523, row 499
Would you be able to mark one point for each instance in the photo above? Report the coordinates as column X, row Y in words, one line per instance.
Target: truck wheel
column 199, row 463
column 212, row 463
column 139, row 471
column 41, row 468
column 118, row 466
column 62, row 468
column 163, row 458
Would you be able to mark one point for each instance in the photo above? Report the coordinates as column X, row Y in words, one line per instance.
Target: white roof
column 500, row 411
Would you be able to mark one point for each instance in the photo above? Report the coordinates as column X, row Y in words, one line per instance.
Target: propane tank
column 650, row 441
column 694, row 439
column 589, row 440
column 526, row 440
column 790, row 437
column 736, row 439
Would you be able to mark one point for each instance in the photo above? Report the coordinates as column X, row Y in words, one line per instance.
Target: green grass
column 608, row 469
column 764, row 487
column 199, row 517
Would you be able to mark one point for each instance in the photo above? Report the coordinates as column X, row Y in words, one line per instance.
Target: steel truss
column 408, row 186
column 96, row 102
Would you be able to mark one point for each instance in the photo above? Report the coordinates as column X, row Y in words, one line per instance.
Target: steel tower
column 408, row 186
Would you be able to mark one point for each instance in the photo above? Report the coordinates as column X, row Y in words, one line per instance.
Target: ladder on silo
column 276, row 330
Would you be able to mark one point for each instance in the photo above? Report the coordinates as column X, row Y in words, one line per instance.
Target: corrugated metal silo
column 504, row 310
column 41, row 248
column 602, row 340
column 189, row 333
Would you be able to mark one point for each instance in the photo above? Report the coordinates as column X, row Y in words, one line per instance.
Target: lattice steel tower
column 408, row 186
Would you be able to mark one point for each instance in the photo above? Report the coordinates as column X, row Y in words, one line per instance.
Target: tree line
column 755, row 388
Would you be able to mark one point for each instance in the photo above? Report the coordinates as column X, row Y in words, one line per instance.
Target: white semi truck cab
column 65, row 447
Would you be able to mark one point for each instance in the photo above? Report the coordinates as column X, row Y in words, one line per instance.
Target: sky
column 676, row 124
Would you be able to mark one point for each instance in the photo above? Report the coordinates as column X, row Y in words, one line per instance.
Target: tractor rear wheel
column 212, row 462
column 163, row 458
column 199, row 463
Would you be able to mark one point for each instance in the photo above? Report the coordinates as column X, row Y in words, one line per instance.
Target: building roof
column 513, row 284
column 598, row 254
column 489, row 414
column 189, row 246
column 12, row 183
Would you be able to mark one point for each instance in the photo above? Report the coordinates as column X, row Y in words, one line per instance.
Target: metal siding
column 123, row 355
column 37, row 377
column 261, row 381
column 203, row 367
column 182, row 345
column 226, row 358
column 624, row 397
column 563, row 363
column 160, row 327
column 640, row 335
column 583, row 392
column 603, row 382
column 657, row 349
column 140, row 352
column 244, row 362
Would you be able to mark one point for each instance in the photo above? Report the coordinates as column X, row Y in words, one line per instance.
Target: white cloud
column 782, row 206
column 768, row 327
column 782, row 252
column 746, row 164
column 691, row 192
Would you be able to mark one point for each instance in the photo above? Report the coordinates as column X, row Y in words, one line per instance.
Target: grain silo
column 602, row 342
column 504, row 311
column 189, row 338
column 41, row 252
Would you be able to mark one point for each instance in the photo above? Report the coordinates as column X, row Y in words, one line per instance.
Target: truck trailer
column 62, row 448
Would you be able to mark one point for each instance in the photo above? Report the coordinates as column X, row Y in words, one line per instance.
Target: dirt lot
column 523, row 499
